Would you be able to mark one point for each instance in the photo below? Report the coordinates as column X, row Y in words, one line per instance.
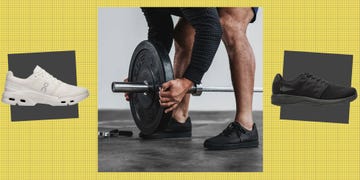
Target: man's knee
column 233, row 32
column 234, row 22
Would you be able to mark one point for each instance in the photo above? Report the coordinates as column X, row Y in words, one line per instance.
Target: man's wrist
column 188, row 83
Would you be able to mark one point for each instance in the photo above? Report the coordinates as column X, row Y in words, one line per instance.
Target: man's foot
column 311, row 89
column 233, row 137
column 173, row 130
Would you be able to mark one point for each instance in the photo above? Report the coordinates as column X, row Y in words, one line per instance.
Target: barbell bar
column 144, row 87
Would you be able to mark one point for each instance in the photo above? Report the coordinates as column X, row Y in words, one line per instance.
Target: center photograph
column 180, row 89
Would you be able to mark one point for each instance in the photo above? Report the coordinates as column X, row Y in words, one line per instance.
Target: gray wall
column 121, row 29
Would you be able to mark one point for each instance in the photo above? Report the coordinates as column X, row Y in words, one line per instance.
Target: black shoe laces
column 313, row 78
column 231, row 128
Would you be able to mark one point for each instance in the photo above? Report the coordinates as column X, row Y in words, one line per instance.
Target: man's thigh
column 235, row 19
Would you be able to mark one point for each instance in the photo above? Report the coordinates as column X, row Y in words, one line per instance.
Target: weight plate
column 150, row 64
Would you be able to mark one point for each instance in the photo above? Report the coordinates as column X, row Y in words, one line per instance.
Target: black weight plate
column 151, row 64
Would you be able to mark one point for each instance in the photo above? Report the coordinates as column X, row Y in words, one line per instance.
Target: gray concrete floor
column 132, row 154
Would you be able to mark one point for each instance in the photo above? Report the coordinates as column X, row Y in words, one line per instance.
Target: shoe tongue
column 233, row 125
column 38, row 69
column 236, row 124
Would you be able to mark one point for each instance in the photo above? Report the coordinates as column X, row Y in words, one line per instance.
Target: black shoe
column 233, row 137
column 172, row 130
column 309, row 88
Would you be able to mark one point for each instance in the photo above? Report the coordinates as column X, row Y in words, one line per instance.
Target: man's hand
column 172, row 93
column 127, row 97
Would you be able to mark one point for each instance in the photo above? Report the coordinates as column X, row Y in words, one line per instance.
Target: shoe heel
column 14, row 98
column 8, row 100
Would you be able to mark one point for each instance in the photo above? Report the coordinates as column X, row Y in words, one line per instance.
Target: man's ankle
column 247, row 126
column 180, row 117
column 247, row 123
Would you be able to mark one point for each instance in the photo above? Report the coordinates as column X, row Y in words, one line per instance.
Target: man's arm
column 207, row 39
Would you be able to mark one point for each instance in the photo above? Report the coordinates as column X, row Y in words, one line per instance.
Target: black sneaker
column 172, row 130
column 233, row 137
column 311, row 89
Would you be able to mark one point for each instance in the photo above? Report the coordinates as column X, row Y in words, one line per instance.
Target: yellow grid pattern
column 67, row 149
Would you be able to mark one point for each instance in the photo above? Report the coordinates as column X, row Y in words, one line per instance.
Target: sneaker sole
column 250, row 144
column 31, row 98
column 284, row 99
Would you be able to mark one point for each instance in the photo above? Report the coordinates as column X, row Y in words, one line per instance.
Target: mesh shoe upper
column 311, row 86
column 172, row 130
column 174, row 126
column 335, row 92
column 234, row 133
column 44, row 82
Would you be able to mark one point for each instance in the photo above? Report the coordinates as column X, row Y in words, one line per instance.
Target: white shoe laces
column 45, row 75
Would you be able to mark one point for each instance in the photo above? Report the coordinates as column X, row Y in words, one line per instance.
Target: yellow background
column 67, row 149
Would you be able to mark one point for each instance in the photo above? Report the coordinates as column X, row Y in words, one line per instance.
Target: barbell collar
column 196, row 90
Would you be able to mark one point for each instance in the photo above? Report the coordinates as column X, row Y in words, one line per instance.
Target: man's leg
column 242, row 65
column 179, row 126
column 184, row 38
column 243, row 132
column 160, row 26
column 242, row 61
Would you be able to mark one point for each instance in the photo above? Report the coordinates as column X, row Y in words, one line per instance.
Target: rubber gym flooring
column 132, row 154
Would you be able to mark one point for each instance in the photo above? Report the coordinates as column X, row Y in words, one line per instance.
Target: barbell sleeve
column 124, row 87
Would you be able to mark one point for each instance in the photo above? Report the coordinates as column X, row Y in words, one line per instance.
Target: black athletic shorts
column 255, row 10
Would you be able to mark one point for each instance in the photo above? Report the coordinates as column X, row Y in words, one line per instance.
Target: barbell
column 150, row 67
column 145, row 87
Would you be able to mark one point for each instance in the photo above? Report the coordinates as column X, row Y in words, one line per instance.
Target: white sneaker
column 41, row 88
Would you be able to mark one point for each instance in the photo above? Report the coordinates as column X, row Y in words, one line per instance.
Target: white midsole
column 31, row 98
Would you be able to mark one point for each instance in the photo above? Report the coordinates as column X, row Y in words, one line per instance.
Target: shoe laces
column 313, row 78
column 231, row 128
column 45, row 75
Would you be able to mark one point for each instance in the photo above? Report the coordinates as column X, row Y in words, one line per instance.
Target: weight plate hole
column 63, row 102
column 72, row 101
column 11, row 99
column 22, row 100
